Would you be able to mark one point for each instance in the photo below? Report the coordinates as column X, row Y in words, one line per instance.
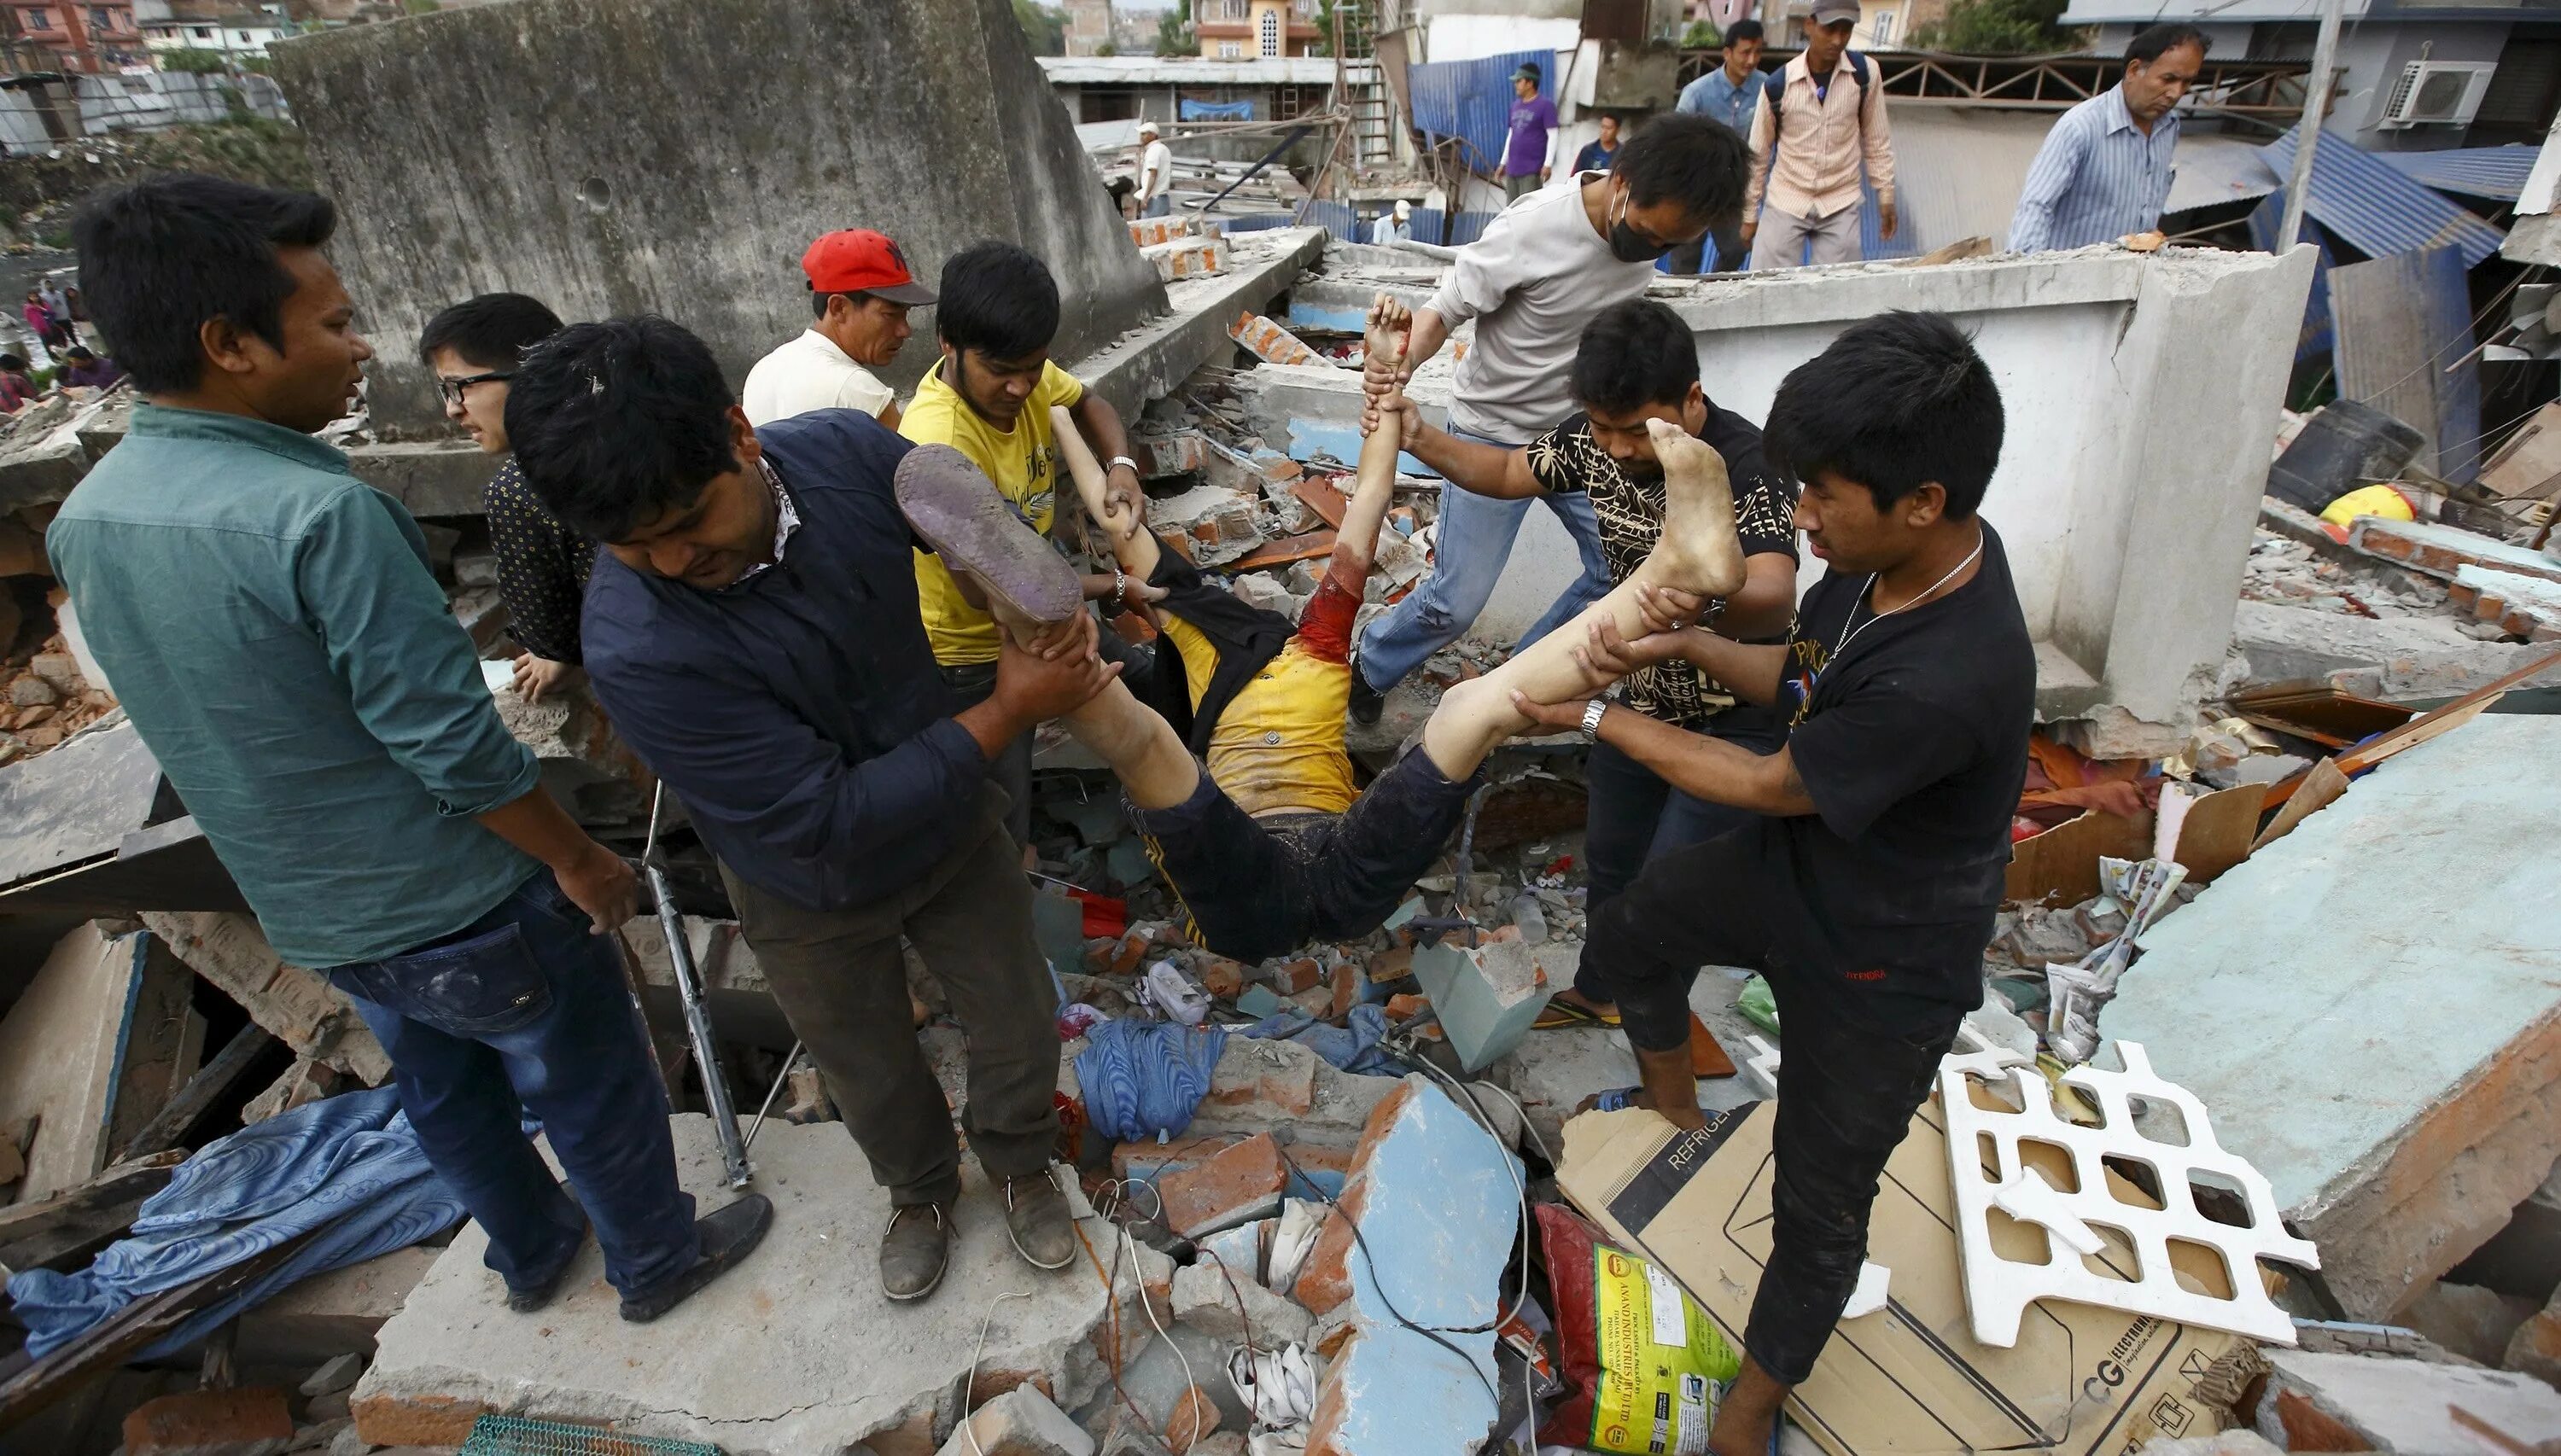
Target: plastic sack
column 1759, row 1004
column 1642, row 1361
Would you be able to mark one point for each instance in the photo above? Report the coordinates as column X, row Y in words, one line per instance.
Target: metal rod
column 773, row 1092
column 2307, row 134
column 689, row 990
column 1269, row 158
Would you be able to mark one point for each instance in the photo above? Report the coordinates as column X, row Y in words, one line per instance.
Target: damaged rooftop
column 2252, row 1143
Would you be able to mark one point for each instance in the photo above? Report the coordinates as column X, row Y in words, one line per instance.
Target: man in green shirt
column 270, row 627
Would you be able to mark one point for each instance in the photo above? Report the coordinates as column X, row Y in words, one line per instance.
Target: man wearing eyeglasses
column 472, row 348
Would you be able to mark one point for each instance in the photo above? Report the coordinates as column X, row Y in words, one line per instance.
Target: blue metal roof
column 1471, row 100
column 2367, row 204
column 2494, row 173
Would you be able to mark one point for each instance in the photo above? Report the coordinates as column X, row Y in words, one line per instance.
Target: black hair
column 998, row 299
column 1683, row 157
column 1634, row 353
column 1898, row 401
column 818, row 301
column 492, row 331
column 78, row 350
column 1743, row 30
column 163, row 255
column 616, row 423
column 2152, row 41
column 14, row 363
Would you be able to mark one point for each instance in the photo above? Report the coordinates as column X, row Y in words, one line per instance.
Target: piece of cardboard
column 2061, row 865
column 1909, row 1380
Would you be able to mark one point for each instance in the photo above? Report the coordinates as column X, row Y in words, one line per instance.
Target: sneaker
column 1367, row 702
column 914, row 1250
column 729, row 1234
column 1037, row 1218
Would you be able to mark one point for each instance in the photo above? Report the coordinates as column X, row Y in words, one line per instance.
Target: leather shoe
column 728, row 1236
column 1036, row 1217
column 914, row 1250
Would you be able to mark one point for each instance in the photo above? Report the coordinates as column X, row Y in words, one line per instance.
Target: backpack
column 1774, row 87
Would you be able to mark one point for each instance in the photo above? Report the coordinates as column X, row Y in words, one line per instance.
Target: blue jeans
column 525, row 1003
column 1475, row 537
column 1161, row 204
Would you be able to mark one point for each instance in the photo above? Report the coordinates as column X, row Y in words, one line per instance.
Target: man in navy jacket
column 752, row 628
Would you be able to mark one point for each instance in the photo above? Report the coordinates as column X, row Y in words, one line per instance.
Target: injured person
column 1273, row 846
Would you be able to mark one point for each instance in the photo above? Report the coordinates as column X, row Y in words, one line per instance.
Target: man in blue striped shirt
column 2105, row 169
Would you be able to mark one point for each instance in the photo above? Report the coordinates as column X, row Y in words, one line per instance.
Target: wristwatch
column 1121, row 460
column 1592, row 713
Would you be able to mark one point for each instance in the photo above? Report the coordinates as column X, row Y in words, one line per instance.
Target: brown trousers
column 841, row 980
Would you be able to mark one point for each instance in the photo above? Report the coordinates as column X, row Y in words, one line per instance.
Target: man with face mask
column 1539, row 273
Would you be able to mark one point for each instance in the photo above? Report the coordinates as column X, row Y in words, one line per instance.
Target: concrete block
column 2522, row 606
column 1231, row 1306
column 431, row 478
column 58, row 1046
column 2415, row 894
column 2395, row 657
column 331, row 1314
column 1238, row 1184
column 1259, row 1080
column 2444, row 551
column 1263, row 593
column 335, row 1374
column 2406, row 1406
column 1187, row 258
column 2471, row 1320
column 239, row 1422
column 756, row 1362
column 585, row 762
column 1489, row 996
column 2534, row 1347
column 1020, row 1423
column 42, row 455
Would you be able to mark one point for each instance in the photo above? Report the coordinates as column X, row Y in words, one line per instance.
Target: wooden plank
column 1281, row 553
column 2216, row 835
column 2061, row 865
column 201, row 1092
column 36, row 1235
column 1319, row 496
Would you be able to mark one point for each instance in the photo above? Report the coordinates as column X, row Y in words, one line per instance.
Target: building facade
column 1255, row 30
column 88, row 38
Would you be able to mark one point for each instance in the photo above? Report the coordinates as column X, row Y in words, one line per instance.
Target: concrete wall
column 611, row 156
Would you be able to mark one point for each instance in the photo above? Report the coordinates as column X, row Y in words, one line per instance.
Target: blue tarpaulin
column 2363, row 202
column 1188, row 109
column 348, row 1166
column 1471, row 100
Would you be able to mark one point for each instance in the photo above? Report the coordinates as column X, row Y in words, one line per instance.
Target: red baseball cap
column 860, row 261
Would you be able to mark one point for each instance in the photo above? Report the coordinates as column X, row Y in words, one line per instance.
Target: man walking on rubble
column 269, row 623
column 752, row 629
column 1866, row 892
column 1539, row 273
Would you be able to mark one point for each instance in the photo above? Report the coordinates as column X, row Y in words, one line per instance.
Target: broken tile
column 2404, row 1405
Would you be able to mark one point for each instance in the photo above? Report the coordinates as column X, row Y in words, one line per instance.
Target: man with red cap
column 860, row 288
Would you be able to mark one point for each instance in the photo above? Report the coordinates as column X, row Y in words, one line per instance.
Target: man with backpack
column 1819, row 124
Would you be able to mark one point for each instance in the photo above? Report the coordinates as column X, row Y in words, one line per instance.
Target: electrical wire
column 1190, row 1382
column 970, row 1376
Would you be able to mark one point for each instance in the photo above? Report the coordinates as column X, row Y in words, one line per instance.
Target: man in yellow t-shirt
column 989, row 397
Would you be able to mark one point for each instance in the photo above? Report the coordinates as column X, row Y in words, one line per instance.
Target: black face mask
column 1628, row 246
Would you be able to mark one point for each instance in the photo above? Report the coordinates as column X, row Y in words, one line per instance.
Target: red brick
column 1347, row 987
column 1299, row 975
column 1223, row 978
column 2310, row 1428
column 1194, row 1415
column 1132, row 951
column 1401, row 1006
column 1284, row 1087
column 1217, row 1190
column 416, row 1420
column 208, row 1420
column 1325, row 1428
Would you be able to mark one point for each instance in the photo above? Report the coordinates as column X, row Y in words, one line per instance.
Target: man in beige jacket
column 1819, row 124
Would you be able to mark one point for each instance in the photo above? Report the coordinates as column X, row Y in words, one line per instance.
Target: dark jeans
column 841, row 980
column 1254, row 889
column 1635, row 818
column 1847, row 1089
column 525, row 1003
column 972, row 684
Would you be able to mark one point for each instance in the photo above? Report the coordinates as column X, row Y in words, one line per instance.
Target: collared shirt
column 543, row 565
column 269, row 623
column 786, row 519
column 809, row 373
column 1808, row 160
column 1155, row 171
column 1387, row 229
column 2097, row 178
column 1716, row 95
column 1531, row 282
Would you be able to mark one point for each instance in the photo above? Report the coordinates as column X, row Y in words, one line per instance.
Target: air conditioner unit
column 2438, row 93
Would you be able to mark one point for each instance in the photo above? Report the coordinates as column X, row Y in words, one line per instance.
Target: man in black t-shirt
column 1867, row 892
column 1637, row 361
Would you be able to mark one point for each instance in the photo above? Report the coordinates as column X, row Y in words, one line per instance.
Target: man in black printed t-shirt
column 1867, row 892
column 1637, row 361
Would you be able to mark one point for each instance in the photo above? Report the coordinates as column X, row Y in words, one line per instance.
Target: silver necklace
column 1849, row 633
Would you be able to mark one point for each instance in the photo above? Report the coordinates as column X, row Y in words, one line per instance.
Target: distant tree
column 1998, row 28
column 1700, row 36
column 422, row 7
column 1044, row 26
column 1108, row 48
column 193, row 61
column 1174, row 30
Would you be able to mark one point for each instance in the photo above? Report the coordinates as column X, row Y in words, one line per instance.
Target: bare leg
column 1749, row 1414
column 1698, row 553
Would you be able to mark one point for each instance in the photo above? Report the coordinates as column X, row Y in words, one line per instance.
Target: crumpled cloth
column 1143, row 1079
column 349, row 1166
column 1354, row 1048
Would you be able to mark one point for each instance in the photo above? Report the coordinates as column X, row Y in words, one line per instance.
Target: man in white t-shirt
column 860, row 288
column 1155, row 173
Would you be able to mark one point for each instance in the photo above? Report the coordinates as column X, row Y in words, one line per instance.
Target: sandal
column 1562, row 1013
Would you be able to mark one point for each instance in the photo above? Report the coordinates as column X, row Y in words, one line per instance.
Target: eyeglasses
column 452, row 385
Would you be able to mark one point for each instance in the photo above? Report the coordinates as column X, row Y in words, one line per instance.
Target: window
column 1880, row 31
column 101, row 18
column 1232, row 10
column 1269, row 32
column 40, row 19
column 1230, row 51
column 203, row 33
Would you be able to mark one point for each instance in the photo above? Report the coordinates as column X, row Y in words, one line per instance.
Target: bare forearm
column 1708, row 768
column 1430, row 332
column 1471, row 465
column 1750, row 673
column 1101, row 423
column 993, row 726
column 1767, row 600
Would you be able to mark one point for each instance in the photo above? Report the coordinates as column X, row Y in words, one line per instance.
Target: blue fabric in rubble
column 1352, row 1048
column 348, row 1166
column 1142, row 1078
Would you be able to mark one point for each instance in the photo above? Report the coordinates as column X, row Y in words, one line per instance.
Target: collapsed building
column 1355, row 1177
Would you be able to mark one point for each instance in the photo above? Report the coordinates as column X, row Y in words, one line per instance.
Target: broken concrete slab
column 2407, row 1407
column 1486, row 997
column 1186, row 258
column 298, row 1006
column 2523, row 1259
column 2394, row 659
column 2444, row 551
column 1020, row 1423
column 2284, row 998
column 757, row 1363
column 60, row 1049
column 585, row 762
column 2522, row 606
column 334, row 1313
column 1228, row 1305
column 1153, row 360
column 2471, row 1320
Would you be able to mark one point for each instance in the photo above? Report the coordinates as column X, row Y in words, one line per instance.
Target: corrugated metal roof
column 2210, row 168
column 2375, row 209
column 2496, row 174
column 1138, row 71
column 1471, row 100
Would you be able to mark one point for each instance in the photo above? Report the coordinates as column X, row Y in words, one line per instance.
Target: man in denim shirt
column 1728, row 95
column 271, row 628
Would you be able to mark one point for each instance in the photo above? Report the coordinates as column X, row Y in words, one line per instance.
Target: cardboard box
column 1909, row 1379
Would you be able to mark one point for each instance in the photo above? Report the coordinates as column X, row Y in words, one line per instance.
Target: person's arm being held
column 1101, row 425
column 1471, row 465
column 1430, row 332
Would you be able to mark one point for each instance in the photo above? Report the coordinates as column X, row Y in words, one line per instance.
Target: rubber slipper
column 957, row 510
